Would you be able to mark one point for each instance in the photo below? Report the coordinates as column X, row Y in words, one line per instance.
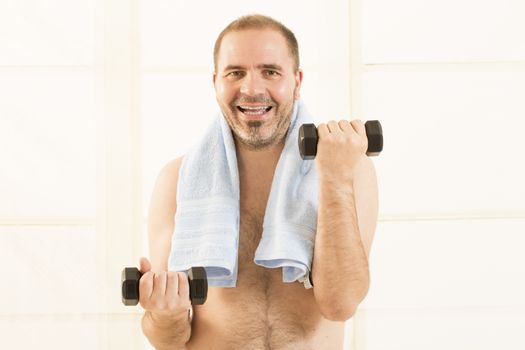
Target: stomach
column 262, row 312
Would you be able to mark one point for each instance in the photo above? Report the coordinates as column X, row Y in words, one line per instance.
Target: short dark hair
column 259, row 22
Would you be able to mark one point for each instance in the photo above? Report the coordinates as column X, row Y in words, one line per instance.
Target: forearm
column 167, row 333
column 340, row 266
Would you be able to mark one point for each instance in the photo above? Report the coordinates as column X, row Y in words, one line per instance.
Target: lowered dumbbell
column 196, row 278
column 308, row 139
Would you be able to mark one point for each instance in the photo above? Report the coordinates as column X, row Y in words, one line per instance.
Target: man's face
column 256, row 86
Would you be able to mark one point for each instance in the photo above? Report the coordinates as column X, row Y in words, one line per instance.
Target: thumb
column 144, row 264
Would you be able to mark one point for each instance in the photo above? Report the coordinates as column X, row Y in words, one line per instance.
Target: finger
column 159, row 285
column 172, row 288
column 184, row 287
column 345, row 125
column 145, row 265
column 145, row 288
column 358, row 126
column 334, row 128
column 322, row 131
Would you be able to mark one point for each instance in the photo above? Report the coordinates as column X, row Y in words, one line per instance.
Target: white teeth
column 254, row 110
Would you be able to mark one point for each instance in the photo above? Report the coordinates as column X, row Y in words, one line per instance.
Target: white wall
column 447, row 80
column 88, row 117
column 97, row 97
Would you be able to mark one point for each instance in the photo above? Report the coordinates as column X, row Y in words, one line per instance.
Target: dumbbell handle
column 308, row 139
column 196, row 277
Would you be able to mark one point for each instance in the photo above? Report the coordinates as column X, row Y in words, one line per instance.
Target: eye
column 235, row 74
column 271, row 73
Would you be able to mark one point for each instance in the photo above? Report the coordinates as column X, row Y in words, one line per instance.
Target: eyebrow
column 260, row 66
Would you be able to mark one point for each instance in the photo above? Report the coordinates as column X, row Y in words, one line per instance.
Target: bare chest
column 261, row 312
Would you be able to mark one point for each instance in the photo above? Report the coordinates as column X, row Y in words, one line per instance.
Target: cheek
column 283, row 91
column 224, row 93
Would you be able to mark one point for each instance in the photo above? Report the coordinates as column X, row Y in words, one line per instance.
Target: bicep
column 161, row 215
column 366, row 202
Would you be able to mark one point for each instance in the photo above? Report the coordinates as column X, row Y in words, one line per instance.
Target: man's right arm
column 165, row 323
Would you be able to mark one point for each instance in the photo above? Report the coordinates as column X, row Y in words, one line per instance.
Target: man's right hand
column 165, row 294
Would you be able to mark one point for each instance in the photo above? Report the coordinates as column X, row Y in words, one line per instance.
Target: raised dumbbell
column 308, row 139
column 196, row 277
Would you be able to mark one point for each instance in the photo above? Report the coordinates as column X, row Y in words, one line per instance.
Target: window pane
column 48, row 269
column 176, row 111
column 453, row 140
column 48, row 142
column 64, row 332
column 171, row 37
column 444, row 30
column 51, row 32
column 49, row 332
column 452, row 329
column 437, row 264
column 326, row 91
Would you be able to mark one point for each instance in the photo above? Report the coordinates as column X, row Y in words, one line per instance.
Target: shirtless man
column 257, row 64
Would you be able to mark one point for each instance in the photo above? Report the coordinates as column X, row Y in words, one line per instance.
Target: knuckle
column 183, row 280
column 172, row 276
column 158, row 304
column 144, row 304
column 160, row 278
column 173, row 304
column 147, row 276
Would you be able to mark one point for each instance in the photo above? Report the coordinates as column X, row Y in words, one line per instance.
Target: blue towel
column 208, row 215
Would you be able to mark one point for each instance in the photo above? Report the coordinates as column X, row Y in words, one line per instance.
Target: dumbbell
column 308, row 139
column 196, row 277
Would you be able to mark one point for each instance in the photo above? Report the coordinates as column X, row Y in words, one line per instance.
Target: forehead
column 254, row 47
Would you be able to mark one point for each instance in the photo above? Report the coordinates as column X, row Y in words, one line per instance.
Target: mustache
column 261, row 99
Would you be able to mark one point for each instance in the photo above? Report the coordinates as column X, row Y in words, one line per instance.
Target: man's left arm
column 346, row 223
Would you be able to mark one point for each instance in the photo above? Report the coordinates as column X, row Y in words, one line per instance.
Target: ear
column 298, row 82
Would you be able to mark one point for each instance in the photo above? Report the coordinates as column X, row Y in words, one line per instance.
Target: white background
column 96, row 96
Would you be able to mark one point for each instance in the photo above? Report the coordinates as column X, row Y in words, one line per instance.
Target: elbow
column 339, row 307
column 338, row 312
column 343, row 305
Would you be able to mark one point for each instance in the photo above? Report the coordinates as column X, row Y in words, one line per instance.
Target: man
column 257, row 80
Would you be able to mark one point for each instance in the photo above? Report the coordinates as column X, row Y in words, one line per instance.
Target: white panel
column 48, row 142
column 176, row 111
column 442, row 31
column 447, row 263
column 326, row 91
column 64, row 332
column 453, row 140
column 182, row 33
column 48, row 270
column 438, row 329
column 51, row 32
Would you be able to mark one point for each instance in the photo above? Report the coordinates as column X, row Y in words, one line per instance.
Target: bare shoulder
column 171, row 169
column 161, row 214
column 165, row 190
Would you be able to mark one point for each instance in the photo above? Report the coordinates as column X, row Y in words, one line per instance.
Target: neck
column 258, row 162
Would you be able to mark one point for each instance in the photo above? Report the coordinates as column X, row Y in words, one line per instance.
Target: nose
column 252, row 85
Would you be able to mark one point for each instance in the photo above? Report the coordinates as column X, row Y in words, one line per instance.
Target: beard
column 259, row 135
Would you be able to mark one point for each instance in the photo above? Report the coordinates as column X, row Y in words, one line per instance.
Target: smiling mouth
column 254, row 110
